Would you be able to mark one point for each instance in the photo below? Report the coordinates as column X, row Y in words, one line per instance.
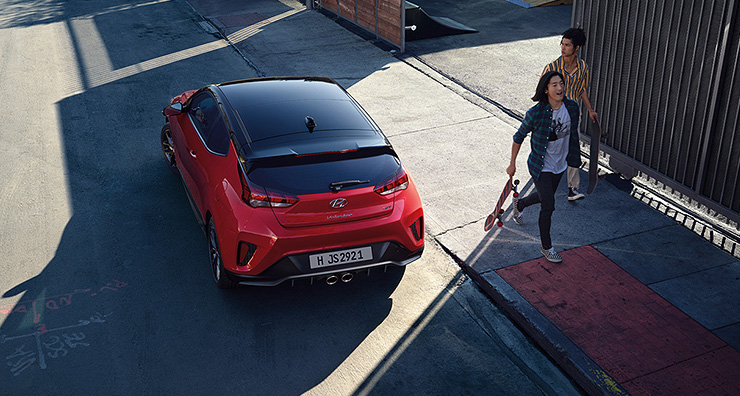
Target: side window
column 204, row 112
column 209, row 123
column 218, row 138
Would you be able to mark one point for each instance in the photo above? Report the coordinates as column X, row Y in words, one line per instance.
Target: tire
column 217, row 266
column 168, row 148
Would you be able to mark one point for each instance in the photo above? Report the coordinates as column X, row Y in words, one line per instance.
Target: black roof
column 296, row 115
column 259, row 91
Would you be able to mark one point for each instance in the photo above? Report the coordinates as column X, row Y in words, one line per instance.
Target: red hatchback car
column 290, row 178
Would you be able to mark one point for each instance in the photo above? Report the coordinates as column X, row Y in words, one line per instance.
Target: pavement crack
column 439, row 126
column 453, row 81
column 456, row 228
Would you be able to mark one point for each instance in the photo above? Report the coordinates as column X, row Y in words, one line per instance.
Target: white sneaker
column 517, row 215
column 574, row 195
column 551, row 255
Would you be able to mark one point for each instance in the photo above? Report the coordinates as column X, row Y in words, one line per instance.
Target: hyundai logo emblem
column 338, row 203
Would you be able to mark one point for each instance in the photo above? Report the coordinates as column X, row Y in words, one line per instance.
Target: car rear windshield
column 286, row 118
column 314, row 174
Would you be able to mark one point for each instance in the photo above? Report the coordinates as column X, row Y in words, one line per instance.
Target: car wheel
column 217, row 265
column 168, row 148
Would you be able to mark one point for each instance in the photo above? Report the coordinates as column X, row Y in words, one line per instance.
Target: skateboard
column 495, row 217
column 593, row 163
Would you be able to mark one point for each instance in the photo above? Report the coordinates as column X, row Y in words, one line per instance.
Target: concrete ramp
column 420, row 25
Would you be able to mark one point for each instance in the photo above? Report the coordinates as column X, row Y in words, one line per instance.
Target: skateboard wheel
column 516, row 182
column 500, row 223
column 501, row 211
column 516, row 195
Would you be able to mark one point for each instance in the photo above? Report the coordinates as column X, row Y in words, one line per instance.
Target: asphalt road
column 105, row 281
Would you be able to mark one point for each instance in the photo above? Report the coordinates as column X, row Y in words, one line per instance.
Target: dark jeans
column 545, row 196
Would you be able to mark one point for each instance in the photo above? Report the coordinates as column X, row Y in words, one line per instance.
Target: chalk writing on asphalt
column 34, row 348
column 53, row 303
column 43, row 342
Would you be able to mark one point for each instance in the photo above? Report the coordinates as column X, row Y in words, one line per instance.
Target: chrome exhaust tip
column 332, row 279
column 347, row 276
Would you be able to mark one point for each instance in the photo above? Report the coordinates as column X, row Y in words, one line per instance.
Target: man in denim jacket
column 553, row 122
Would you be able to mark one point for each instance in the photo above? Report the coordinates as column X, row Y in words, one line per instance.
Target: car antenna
column 310, row 123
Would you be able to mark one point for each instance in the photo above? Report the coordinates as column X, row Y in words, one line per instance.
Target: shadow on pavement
column 127, row 300
column 126, row 305
column 503, row 61
column 497, row 21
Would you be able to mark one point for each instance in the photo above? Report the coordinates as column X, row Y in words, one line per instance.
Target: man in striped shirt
column 576, row 76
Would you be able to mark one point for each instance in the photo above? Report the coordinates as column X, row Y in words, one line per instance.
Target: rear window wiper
column 336, row 186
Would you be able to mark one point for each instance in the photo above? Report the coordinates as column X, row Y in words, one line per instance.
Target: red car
column 290, row 178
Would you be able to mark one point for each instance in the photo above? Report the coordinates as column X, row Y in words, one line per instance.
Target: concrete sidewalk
column 640, row 305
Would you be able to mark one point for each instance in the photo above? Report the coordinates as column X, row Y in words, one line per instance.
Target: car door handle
column 193, row 154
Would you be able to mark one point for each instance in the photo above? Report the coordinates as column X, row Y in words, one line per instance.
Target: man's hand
column 511, row 169
column 593, row 115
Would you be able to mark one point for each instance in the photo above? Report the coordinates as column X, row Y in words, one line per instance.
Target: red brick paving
column 642, row 341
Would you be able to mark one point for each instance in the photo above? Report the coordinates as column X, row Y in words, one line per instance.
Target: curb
column 574, row 362
column 566, row 354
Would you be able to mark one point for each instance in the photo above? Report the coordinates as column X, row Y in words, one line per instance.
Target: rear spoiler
column 315, row 158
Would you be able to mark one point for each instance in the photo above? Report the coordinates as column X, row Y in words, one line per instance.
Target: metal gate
column 666, row 85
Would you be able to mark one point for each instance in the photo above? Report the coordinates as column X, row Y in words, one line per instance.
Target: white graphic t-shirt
column 557, row 148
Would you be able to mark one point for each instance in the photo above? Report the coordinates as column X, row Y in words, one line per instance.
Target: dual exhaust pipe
column 345, row 278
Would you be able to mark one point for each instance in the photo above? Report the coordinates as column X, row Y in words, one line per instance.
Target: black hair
column 540, row 95
column 576, row 35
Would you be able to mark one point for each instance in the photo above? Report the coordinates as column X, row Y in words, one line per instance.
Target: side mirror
column 173, row 109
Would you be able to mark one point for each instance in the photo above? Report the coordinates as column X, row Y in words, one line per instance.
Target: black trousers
column 545, row 196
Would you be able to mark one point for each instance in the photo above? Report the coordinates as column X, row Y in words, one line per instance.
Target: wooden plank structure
column 384, row 18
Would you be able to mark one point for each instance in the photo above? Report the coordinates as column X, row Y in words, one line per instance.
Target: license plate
column 340, row 257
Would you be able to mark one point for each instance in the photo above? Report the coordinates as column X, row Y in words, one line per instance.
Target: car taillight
column 399, row 181
column 258, row 197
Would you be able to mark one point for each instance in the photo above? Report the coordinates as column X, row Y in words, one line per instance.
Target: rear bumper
column 297, row 266
column 275, row 244
column 280, row 254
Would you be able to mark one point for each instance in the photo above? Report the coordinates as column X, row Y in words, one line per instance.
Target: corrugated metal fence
column 666, row 85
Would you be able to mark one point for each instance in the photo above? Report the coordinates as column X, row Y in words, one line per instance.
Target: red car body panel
column 184, row 97
column 258, row 226
column 310, row 226
column 312, row 210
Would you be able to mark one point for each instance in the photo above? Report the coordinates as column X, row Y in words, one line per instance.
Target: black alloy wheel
column 168, row 149
column 217, row 266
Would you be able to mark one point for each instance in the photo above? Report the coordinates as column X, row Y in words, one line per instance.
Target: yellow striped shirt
column 576, row 80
